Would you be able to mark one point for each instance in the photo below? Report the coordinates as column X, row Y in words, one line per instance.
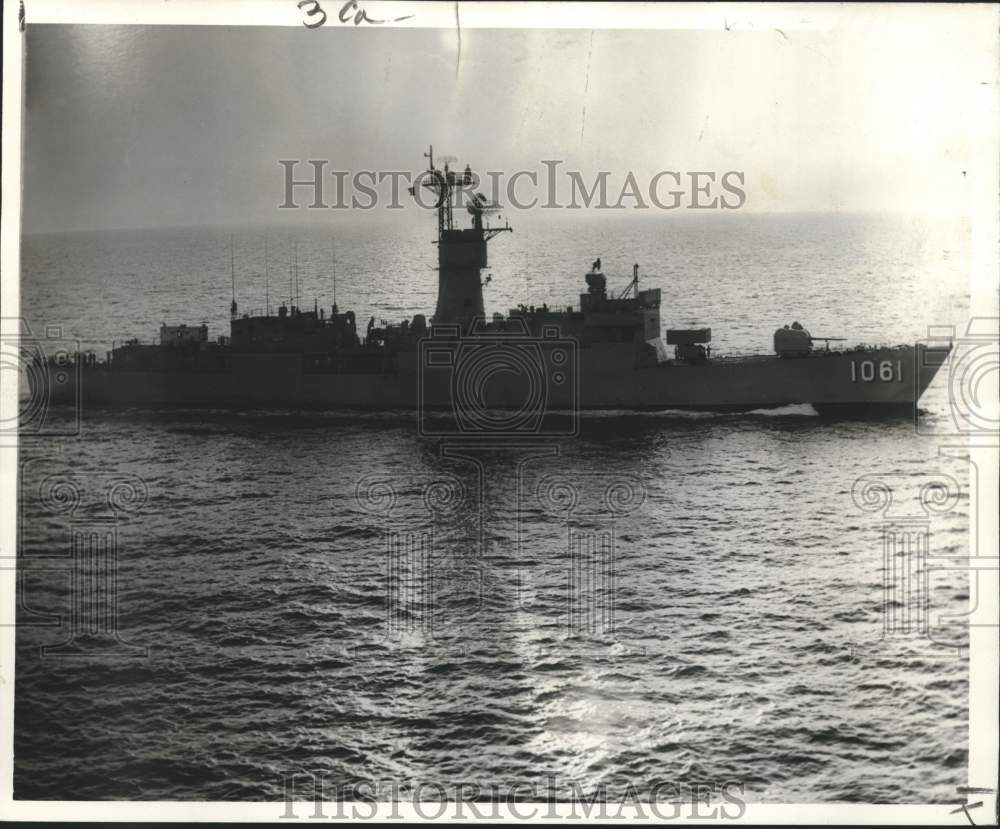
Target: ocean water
column 337, row 595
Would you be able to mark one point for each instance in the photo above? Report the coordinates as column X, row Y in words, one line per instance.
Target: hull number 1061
column 886, row 371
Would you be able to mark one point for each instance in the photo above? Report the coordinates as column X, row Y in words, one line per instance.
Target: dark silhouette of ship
column 523, row 373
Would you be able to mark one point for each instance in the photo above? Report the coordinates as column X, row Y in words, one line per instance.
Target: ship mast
column 295, row 248
column 333, row 267
column 232, row 275
column 291, row 290
column 267, row 281
column 461, row 252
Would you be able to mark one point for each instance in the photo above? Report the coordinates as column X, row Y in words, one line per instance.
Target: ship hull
column 876, row 380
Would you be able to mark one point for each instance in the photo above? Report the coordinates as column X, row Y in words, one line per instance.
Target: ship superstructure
column 608, row 352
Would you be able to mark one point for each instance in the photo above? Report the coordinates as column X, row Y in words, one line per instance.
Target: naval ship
column 519, row 374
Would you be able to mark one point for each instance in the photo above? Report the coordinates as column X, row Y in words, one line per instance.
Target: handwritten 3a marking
column 349, row 12
column 314, row 10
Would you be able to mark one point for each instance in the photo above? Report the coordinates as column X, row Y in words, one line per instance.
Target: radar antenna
column 461, row 251
column 480, row 205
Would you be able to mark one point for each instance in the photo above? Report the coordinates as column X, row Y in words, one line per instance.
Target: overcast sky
column 149, row 126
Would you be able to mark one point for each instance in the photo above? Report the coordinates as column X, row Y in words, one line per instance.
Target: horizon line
column 590, row 213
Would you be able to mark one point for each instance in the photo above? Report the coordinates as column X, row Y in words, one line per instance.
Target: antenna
column 633, row 284
column 295, row 247
column 333, row 265
column 291, row 300
column 232, row 274
column 267, row 279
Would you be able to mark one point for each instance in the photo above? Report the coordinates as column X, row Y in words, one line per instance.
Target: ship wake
column 791, row 410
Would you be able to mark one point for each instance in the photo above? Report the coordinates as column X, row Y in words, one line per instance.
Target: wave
column 791, row 410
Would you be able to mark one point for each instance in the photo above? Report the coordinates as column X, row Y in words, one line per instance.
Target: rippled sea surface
column 335, row 594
